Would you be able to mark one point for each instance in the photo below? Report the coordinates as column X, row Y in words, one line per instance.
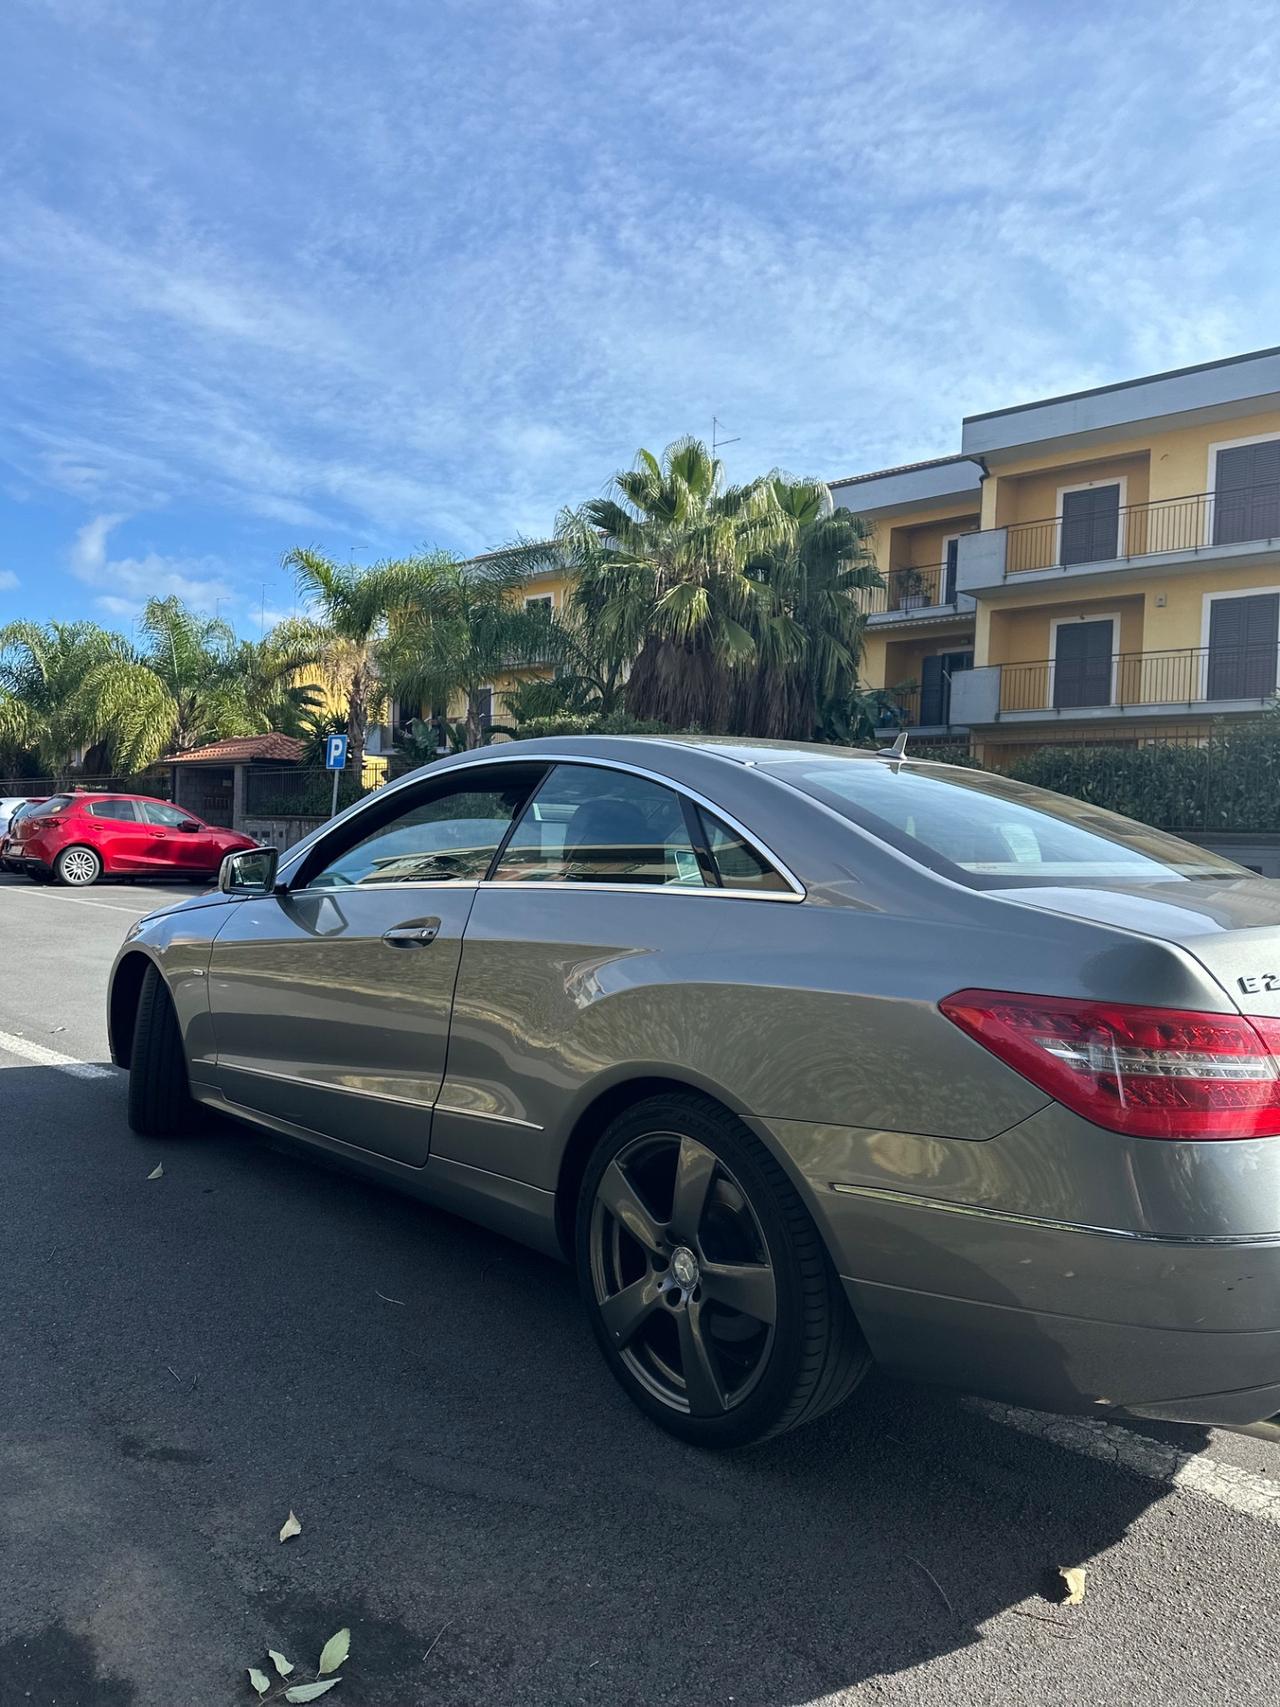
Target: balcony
column 922, row 590
column 1128, row 684
column 1207, row 529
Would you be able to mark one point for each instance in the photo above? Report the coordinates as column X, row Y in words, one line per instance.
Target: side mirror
column 252, row 872
column 190, row 824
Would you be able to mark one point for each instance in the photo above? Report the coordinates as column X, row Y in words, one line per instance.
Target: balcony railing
column 1183, row 677
column 912, row 589
column 1143, row 530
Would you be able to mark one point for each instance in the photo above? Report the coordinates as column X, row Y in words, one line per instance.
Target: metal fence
column 1181, row 676
column 295, row 791
column 912, row 588
column 153, row 784
column 1142, row 530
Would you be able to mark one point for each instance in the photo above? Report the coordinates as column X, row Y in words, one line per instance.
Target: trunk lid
column 1231, row 926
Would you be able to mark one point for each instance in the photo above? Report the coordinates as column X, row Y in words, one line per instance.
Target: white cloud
column 124, row 584
column 89, row 549
column 9, row 582
column 471, row 301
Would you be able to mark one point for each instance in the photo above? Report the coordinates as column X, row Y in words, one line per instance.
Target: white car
column 9, row 804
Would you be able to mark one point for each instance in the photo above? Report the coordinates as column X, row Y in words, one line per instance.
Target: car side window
column 587, row 824
column 118, row 809
column 738, row 864
column 165, row 817
column 449, row 834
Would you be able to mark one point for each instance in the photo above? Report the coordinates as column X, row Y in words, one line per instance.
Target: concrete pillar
column 237, row 795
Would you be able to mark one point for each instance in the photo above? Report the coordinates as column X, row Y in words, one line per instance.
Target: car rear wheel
column 160, row 1101
column 709, row 1289
column 77, row 868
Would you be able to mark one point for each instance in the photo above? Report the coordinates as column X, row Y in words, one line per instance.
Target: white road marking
column 1110, row 1443
column 78, row 900
column 36, row 1053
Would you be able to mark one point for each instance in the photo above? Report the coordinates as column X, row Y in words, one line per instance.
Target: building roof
column 1125, row 384
column 242, row 749
column 902, row 468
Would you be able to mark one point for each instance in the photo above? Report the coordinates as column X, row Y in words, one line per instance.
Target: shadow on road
column 192, row 1356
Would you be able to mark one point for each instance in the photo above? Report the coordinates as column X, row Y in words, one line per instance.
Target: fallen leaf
column 259, row 1679
column 278, row 1660
column 310, row 1691
column 157, row 1172
column 291, row 1527
column 335, row 1652
column 1073, row 1581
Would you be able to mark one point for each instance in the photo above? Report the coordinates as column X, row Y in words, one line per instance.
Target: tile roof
column 241, row 749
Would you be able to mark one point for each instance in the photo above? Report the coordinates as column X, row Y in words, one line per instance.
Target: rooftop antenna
column 716, row 440
column 899, row 747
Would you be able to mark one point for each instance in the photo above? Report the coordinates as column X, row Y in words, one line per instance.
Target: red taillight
column 1150, row 1072
column 45, row 823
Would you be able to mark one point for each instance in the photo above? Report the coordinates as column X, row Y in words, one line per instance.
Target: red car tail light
column 1148, row 1072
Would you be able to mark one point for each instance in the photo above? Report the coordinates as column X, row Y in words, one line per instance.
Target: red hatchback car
column 75, row 839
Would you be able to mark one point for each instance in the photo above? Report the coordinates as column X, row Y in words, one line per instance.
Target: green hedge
column 1232, row 782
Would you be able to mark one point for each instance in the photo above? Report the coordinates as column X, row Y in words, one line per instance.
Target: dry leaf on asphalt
column 1073, row 1580
column 157, row 1172
column 282, row 1665
column 310, row 1691
column 291, row 1527
column 259, row 1680
column 335, row 1652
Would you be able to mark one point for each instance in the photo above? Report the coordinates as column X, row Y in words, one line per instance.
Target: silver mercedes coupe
column 806, row 1058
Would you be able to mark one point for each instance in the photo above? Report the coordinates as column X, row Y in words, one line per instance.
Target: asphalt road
column 185, row 1360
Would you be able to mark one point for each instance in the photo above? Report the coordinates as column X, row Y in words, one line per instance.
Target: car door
column 330, row 1001
column 601, row 901
column 119, row 835
column 181, row 850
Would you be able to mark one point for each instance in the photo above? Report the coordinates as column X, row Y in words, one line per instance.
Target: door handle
column 412, row 936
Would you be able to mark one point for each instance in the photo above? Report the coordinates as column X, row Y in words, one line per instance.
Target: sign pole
column 333, row 810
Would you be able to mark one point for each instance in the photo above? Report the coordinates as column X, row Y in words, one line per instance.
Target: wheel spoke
column 694, row 1170
column 702, row 1382
column 748, row 1287
column 623, row 1313
column 619, row 1197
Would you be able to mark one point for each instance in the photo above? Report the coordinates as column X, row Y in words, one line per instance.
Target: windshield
column 990, row 831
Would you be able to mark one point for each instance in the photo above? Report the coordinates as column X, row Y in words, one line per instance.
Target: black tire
column 160, row 1101
column 752, row 1238
column 77, row 867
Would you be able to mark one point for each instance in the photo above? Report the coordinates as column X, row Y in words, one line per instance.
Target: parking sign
column 335, row 753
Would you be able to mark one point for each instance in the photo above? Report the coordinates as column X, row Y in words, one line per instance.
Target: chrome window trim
column 797, row 891
column 1011, row 1217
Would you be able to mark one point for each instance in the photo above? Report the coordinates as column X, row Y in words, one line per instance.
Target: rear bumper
column 1063, row 1318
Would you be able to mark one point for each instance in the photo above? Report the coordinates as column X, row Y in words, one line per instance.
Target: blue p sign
column 335, row 753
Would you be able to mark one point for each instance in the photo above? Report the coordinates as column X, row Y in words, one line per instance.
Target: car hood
column 1231, row 926
column 188, row 904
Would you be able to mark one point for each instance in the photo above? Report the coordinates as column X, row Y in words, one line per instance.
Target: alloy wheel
column 78, row 865
column 681, row 1274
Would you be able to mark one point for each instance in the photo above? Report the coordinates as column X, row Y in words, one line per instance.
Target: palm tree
column 663, row 577
column 809, row 619
column 457, row 627
column 43, row 672
column 348, row 631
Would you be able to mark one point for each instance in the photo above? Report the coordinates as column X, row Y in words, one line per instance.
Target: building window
column 1247, row 493
column 1090, row 524
column 542, row 602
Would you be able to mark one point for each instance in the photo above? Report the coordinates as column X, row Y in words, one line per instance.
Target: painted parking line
column 82, row 900
column 39, row 1056
column 1111, row 1443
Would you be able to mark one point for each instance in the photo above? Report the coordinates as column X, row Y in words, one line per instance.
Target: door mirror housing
column 191, row 825
column 252, row 872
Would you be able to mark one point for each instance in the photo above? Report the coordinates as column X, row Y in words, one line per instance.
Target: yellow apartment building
column 1099, row 566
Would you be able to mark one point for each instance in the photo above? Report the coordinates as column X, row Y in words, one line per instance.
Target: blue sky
column 278, row 272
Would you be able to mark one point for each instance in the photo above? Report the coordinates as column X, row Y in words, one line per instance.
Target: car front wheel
column 160, row 1101
column 710, row 1291
column 77, row 868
